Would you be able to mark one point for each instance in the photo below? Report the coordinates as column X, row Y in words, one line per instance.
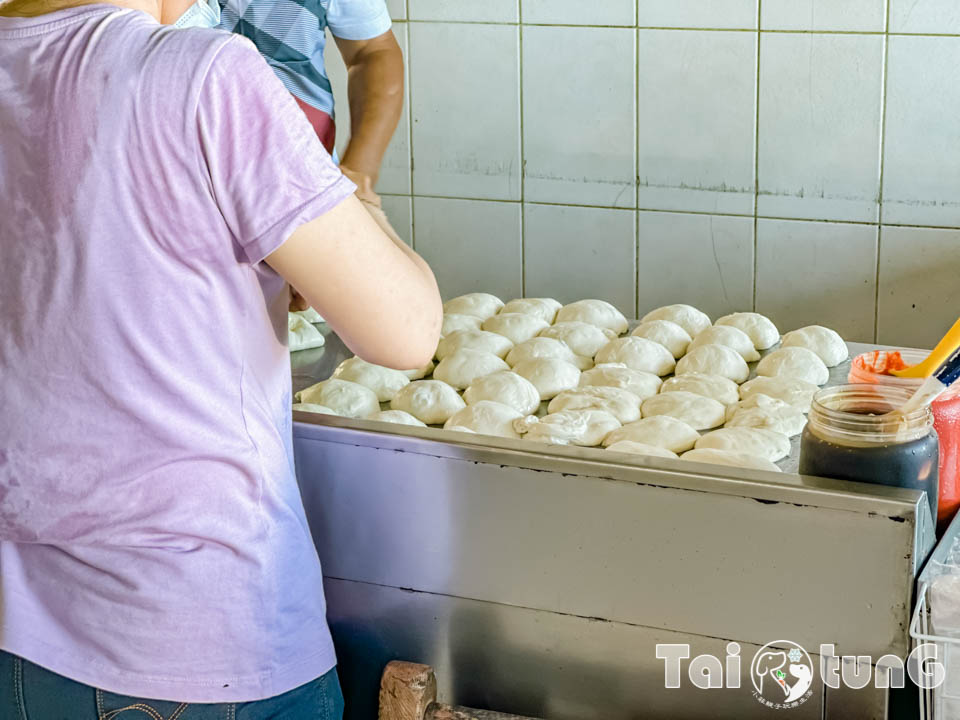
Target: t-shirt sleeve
column 268, row 172
column 358, row 19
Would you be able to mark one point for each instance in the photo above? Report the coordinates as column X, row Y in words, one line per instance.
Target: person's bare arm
column 378, row 295
column 375, row 94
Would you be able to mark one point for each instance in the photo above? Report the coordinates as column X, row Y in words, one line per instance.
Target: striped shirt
column 291, row 36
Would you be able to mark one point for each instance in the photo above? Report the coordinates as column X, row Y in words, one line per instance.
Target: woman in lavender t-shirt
column 159, row 193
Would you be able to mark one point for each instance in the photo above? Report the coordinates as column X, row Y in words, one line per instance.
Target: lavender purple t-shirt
column 152, row 537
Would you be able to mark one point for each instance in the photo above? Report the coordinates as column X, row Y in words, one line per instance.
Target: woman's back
column 145, row 458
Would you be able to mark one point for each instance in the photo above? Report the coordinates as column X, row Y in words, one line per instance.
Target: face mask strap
column 203, row 13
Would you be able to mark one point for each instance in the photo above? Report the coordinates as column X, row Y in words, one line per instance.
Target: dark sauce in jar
column 848, row 439
column 908, row 465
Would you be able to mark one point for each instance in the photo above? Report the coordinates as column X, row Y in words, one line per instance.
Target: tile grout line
column 523, row 160
column 783, row 31
column 748, row 216
column 407, row 79
column 756, row 160
column 636, row 158
column 636, row 166
column 883, row 145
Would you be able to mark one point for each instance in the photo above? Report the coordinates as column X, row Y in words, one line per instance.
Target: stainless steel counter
column 538, row 579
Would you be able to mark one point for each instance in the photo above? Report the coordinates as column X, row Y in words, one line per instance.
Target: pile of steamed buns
column 676, row 386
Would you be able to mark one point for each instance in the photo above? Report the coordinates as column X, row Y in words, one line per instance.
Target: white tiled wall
column 817, row 273
column 472, row 245
column 574, row 252
column 819, row 131
column 797, row 157
column 823, row 15
column 578, row 116
column 697, row 112
column 704, row 260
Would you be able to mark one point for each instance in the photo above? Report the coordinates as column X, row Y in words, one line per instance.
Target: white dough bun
column 759, row 327
column 640, row 383
column 505, row 387
column 795, row 362
column 480, row 340
column 714, row 360
column 461, row 368
column 638, row 353
column 691, row 319
column 661, row 430
column 732, row 337
column 453, row 323
column 485, row 418
column 672, row 336
column 769, row 444
column 481, row 305
column 397, row 417
column 544, row 308
column 826, row 343
column 429, row 401
column 700, row 413
column 385, row 382
column 595, row 312
column 622, row 404
column 549, row 375
column 722, row 389
column 343, row 397
column 582, row 338
column 519, row 327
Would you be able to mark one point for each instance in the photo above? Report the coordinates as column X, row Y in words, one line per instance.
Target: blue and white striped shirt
column 291, row 35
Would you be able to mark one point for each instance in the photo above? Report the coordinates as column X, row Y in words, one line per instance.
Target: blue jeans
column 28, row 692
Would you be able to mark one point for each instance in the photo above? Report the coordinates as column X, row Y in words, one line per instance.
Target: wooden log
column 446, row 712
column 406, row 691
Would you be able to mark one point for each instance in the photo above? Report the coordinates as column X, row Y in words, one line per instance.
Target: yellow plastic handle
column 949, row 343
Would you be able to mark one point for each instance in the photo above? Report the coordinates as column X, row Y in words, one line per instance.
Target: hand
column 297, row 301
column 364, row 183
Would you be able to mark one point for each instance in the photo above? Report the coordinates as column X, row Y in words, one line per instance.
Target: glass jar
column 848, row 437
column 871, row 368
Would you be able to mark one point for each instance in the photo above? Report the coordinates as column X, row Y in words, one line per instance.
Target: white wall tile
column 395, row 168
column 715, row 14
column 579, row 115
column 921, row 172
column 577, row 12
column 819, row 132
column 398, row 9
column 572, row 253
column 465, row 109
column 702, row 260
column 832, row 15
column 696, row 120
column 919, row 291
column 399, row 212
column 925, row 16
column 457, row 10
column 472, row 245
column 818, row 273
